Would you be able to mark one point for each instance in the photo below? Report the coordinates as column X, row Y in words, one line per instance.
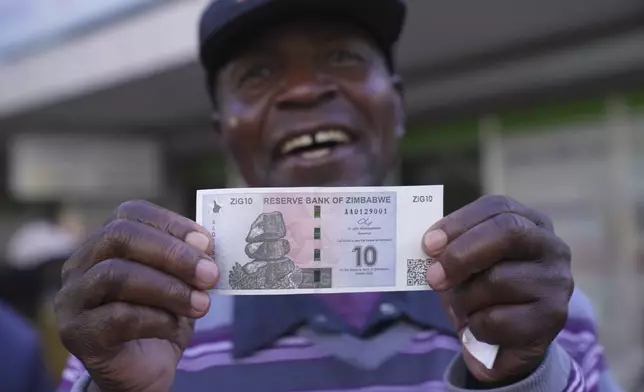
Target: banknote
column 320, row 240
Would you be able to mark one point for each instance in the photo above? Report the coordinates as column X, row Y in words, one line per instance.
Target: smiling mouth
column 314, row 145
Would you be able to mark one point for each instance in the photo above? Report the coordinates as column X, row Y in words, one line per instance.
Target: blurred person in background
column 31, row 277
column 306, row 93
column 22, row 366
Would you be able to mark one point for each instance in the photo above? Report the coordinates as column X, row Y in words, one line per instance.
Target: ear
column 401, row 117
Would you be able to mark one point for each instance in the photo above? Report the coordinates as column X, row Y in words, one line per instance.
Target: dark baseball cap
column 225, row 24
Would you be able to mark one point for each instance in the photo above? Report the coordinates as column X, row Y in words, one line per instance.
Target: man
column 23, row 366
column 305, row 93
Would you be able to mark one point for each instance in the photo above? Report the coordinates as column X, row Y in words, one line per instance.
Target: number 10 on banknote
column 320, row 240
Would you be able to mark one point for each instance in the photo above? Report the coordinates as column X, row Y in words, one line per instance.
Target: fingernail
column 434, row 241
column 198, row 240
column 199, row 301
column 436, row 276
column 207, row 272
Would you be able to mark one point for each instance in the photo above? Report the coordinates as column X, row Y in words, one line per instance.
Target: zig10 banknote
column 320, row 240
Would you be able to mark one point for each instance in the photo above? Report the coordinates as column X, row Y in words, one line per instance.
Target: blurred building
column 542, row 100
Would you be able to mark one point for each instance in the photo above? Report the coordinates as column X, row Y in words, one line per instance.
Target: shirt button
column 387, row 309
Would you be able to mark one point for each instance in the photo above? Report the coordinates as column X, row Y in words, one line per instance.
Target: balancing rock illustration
column 269, row 267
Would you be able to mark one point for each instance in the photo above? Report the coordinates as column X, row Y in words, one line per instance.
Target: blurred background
column 543, row 100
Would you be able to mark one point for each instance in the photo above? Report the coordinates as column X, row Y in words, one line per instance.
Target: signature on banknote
column 365, row 222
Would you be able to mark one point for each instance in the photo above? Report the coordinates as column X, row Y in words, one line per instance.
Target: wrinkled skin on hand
column 503, row 273
column 131, row 294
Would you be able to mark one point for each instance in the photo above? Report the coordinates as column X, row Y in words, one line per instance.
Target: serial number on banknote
column 365, row 211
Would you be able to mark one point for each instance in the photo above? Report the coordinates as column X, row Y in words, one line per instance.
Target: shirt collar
column 261, row 320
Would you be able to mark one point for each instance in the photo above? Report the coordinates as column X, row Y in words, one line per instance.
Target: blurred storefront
column 532, row 98
column 580, row 162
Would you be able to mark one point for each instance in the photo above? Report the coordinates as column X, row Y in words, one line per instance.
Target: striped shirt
column 405, row 343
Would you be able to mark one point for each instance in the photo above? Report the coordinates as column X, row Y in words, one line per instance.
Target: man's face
column 310, row 104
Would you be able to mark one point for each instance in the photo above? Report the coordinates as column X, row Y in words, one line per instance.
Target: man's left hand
column 503, row 273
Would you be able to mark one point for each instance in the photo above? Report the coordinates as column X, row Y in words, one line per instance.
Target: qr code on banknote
column 417, row 271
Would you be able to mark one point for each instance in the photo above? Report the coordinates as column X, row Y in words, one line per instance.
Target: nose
column 305, row 91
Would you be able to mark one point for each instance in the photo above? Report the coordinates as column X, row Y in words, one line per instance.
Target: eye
column 255, row 73
column 345, row 57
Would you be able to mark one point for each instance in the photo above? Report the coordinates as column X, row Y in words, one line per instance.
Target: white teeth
column 336, row 136
column 297, row 142
column 320, row 137
column 316, row 154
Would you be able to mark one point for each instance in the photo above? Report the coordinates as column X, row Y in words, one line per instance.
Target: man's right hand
column 131, row 294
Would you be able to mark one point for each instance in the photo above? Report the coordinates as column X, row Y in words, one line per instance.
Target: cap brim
column 383, row 19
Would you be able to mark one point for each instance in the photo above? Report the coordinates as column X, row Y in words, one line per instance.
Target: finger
column 507, row 283
column 118, row 280
column 459, row 323
column 83, row 254
column 167, row 221
column 136, row 241
column 519, row 326
column 109, row 326
column 513, row 283
column 502, row 237
column 462, row 220
column 147, row 214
